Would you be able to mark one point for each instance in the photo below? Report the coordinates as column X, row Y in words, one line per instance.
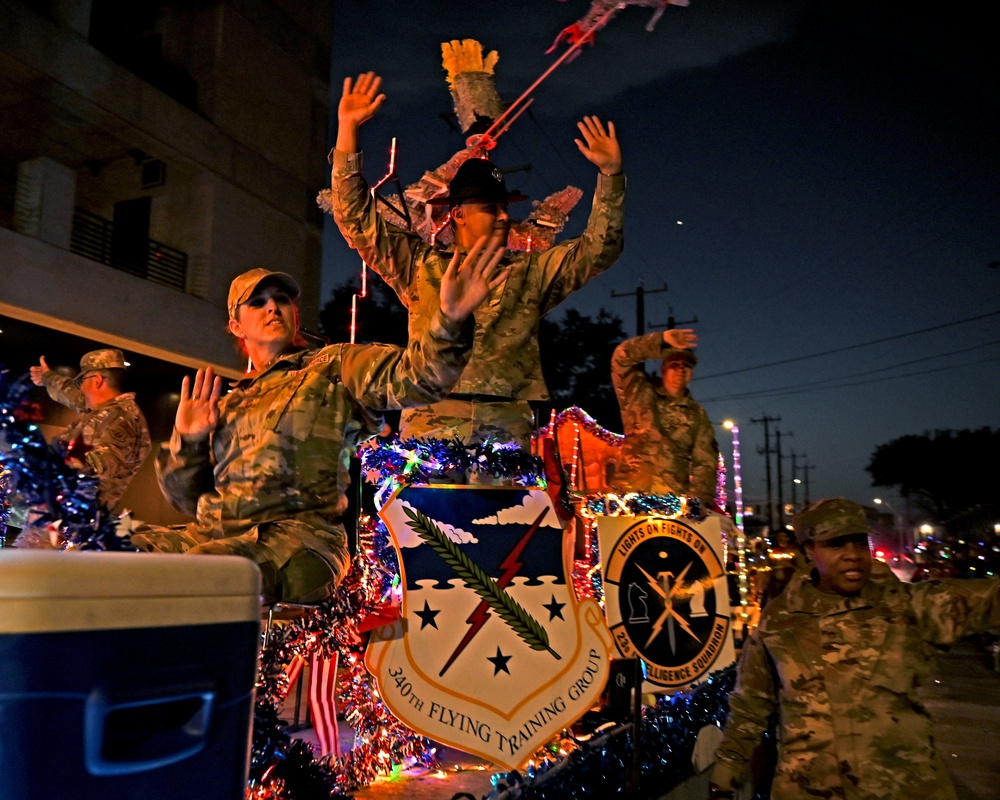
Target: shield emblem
column 493, row 654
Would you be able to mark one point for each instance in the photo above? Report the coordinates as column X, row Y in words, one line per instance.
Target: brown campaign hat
column 108, row 358
column 243, row 286
column 828, row 519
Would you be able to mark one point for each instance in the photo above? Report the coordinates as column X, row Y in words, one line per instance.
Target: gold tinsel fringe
column 466, row 55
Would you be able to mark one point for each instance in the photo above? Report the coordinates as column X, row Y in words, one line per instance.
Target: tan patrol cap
column 828, row 519
column 678, row 354
column 243, row 286
column 101, row 359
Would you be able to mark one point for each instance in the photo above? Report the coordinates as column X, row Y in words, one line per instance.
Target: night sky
column 804, row 176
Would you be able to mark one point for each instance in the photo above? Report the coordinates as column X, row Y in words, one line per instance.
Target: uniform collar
column 449, row 251
column 292, row 357
column 116, row 399
column 660, row 390
column 802, row 596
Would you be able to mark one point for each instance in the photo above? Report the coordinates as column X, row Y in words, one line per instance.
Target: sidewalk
column 963, row 698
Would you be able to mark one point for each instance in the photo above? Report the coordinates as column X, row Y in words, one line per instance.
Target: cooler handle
column 137, row 736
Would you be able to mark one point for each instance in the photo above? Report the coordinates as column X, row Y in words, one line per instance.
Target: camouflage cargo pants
column 298, row 563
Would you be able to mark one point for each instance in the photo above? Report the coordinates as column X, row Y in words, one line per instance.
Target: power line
column 823, row 382
column 792, row 390
column 851, row 346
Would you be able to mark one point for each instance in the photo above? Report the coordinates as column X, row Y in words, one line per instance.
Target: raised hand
column 359, row 102
column 198, row 409
column 681, row 338
column 464, row 286
column 37, row 372
column 600, row 146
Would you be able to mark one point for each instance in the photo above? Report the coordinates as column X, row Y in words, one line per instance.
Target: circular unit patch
column 661, row 580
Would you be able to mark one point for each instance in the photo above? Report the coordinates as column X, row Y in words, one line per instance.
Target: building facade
column 149, row 152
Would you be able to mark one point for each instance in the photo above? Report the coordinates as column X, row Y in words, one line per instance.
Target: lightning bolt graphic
column 511, row 565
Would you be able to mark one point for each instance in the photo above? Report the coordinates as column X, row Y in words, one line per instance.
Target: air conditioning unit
column 154, row 173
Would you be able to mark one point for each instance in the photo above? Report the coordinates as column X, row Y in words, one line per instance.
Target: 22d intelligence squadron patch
column 666, row 597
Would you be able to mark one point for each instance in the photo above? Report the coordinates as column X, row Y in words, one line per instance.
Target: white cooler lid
column 73, row 590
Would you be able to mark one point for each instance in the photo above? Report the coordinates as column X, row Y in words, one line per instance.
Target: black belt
column 480, row 398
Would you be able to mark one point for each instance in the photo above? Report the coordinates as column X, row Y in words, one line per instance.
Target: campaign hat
column 478, row 179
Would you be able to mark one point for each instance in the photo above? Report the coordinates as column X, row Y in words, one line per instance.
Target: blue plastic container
column 126, row 675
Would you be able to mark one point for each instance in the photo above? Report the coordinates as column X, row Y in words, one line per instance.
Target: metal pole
column 767, row 463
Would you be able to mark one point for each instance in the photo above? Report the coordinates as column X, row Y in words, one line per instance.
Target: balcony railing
column 94, row 237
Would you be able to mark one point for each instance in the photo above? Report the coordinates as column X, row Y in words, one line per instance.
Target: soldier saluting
column 110, row 438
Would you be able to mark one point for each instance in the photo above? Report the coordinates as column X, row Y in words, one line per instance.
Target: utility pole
column 781, row 483
column 767, row 462
column 640, row 304
column 673, row 323
column 805, row 468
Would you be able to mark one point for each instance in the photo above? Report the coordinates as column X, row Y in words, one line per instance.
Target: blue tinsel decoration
column 418, row 460
column 640, row 504
column 667, row 736
column 39, row 476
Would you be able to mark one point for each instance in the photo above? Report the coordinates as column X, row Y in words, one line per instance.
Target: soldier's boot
column 307, row 578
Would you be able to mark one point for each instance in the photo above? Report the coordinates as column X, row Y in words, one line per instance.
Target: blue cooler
column 126, row 675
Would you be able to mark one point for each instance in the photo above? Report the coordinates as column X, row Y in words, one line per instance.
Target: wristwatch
column 718, row 793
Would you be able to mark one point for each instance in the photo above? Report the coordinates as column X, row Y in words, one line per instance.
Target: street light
column 741, row 539
column 897, row 523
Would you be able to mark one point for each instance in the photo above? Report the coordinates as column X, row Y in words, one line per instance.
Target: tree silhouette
column 576, row 360
column 575, row 350
column 952, row 476
column 381, row 317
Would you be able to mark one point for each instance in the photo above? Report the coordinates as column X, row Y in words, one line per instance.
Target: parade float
column 447, row 576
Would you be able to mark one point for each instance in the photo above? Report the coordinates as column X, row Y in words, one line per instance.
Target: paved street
column 965, row 703
column 964, row 700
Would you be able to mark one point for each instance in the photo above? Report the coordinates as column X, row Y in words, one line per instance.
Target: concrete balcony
column 49, row 286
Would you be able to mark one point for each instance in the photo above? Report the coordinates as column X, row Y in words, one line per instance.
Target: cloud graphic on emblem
column 525, row 513
column 405, row 536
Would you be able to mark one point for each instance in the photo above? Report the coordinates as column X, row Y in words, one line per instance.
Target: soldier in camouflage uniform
column 110, row 438
column 669, row 440
column 264, row 469
column 504, row 372
column 839, row 656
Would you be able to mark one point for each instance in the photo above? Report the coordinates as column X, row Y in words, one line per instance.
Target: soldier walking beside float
column 839, row 656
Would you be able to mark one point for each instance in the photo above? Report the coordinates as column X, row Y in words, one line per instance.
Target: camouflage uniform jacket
column 275, row 469
column 505, row 360
column 669, row 441
column 115, row 433
column 842, row 673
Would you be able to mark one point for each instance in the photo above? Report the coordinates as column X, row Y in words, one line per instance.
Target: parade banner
column 666, row 596
column 493, row 654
